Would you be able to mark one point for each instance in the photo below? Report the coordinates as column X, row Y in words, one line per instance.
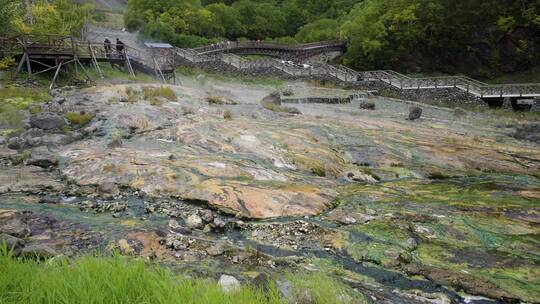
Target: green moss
column 78, row 118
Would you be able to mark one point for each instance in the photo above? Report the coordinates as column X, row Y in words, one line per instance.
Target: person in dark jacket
column 107, row 46
column 120, row 47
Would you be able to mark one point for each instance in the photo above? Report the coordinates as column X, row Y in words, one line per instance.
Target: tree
column 10, row 10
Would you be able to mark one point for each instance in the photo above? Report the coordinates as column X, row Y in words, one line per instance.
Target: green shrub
column 79, row 119
column 150, row 93
column 215, row 100
column 227, row 115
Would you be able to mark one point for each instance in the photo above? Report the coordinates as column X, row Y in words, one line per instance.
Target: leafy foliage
column 451, row 36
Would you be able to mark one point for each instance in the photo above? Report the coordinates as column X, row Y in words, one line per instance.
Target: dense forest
column 477, row 37
column 481, row 38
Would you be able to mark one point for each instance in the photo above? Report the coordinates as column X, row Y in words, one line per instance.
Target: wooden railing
column 232, row 45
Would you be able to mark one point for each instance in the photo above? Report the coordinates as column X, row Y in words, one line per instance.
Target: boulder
column 47, row 121
column 194, row 221
column 367, row 105
column 228, row 283
column 273, row 98
column 109, row 189
column 15, row 143
column 38, row 251
column 219, row 248
column 42, row 159
column 15, row 227
column 415, row 112
column 207, row 215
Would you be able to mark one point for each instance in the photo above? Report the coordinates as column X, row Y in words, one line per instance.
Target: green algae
column 479, row 230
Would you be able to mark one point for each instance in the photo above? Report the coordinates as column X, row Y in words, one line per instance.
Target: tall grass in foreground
column 119, row 279
column 110, row 280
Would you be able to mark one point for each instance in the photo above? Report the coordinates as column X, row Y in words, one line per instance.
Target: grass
column 110, row 73
column 78, row 118
column 120, row 279
column 151, row 93
column 217, row 100
column 271, row 81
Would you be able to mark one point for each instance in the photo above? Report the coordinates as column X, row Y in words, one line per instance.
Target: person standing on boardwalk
column 107, row 46
column 120, row 47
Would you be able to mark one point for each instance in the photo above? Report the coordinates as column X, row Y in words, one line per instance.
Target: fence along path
column 223, row 53
column 52, row 52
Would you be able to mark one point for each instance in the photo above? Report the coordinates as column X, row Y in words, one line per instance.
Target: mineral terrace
column 440, row 209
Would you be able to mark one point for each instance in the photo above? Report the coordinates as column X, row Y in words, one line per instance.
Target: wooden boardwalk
column 41, row 53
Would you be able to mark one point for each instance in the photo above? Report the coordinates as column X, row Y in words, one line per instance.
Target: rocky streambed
column 438, row 209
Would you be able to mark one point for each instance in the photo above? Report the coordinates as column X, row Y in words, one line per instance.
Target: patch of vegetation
column 151, row 93
column 321, row 288
column 279, row 108
column 217, row 100
column 227, row 115
column 11, row 116
column 258, row 80
column 118, row 279
column 78, row 118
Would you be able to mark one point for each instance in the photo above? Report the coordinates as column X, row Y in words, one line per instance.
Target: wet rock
column 228, row 283
column 459, row 112
column 47, row 121
column 219, row 248
column 415, row 112
column 11, row 242
column 48, row 199
column 42, row 159
column 100, row 207
column 367, row 105
column 38, row 251
column 207, row 215
column 194, row 221
column 109, row 189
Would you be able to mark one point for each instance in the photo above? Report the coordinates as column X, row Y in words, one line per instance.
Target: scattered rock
column 2, row 140
column 173, row 224
column 207, row 215
column 115, row 143
column 273, row 98
column 219, row 248
column 415, row 112
column 459, row 112
column 367, row 105
column 38, row 251
column 15, row 227
column 219, row 223
column 109, row 189
column 194, row 221
column 228, row 283
column 42, row 159
column 288, row 91
column 15, row 143
column 47, row 121
column 48, row 199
